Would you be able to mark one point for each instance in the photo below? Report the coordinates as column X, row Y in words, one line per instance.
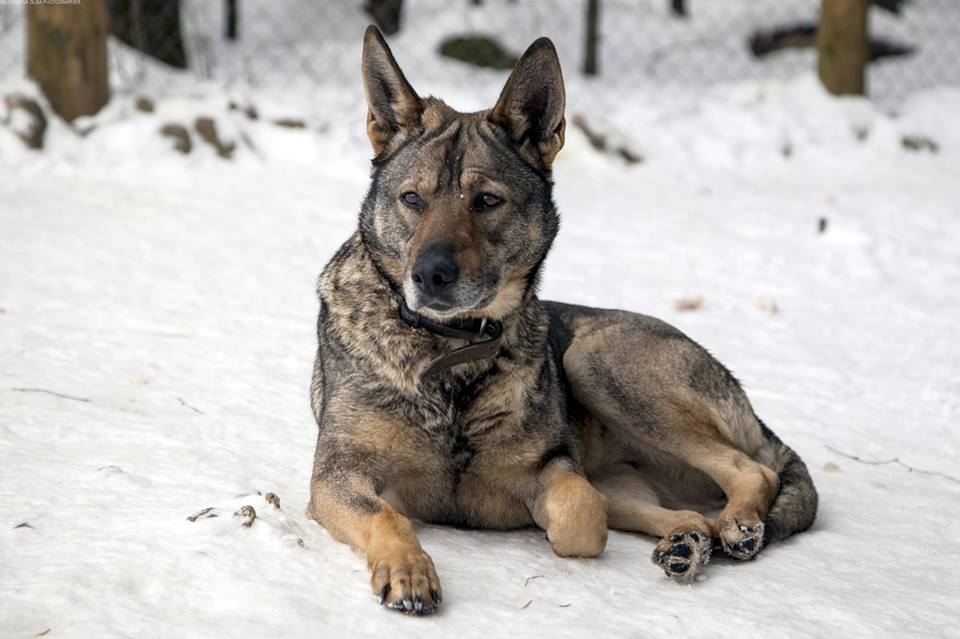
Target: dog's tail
column 795, row 506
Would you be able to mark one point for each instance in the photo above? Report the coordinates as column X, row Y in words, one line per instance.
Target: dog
column 445, row 391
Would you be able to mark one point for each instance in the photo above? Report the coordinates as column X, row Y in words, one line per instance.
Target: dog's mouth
column 443, row 310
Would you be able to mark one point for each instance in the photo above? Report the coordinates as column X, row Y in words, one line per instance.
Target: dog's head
column 460, row 214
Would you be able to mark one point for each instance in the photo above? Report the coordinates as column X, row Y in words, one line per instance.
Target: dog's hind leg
column 750, row 488
column 632, row 505
column 655, row 390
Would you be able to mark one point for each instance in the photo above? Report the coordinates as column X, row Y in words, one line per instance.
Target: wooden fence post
column 842, row 46
column 591, row 43
column 67, row 55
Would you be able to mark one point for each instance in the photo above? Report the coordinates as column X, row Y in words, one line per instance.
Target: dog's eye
column 486, row 201
column 413, row 200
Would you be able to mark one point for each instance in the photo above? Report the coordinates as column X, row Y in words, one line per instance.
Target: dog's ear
column 393, row 107
column 531, row 104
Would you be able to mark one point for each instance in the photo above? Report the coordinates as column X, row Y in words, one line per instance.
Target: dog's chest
column 459, row 458
column 463, row 484
column 461, row 469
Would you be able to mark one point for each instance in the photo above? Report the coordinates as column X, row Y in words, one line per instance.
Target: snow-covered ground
column 157, row 333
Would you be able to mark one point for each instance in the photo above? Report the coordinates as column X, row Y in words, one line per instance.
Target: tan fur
column 633, row 505
column 386, row 540
column 449, row 221
column 716, row 438
column 572, row 512
column 532, row 71
column 583, row 419
column 400, row 109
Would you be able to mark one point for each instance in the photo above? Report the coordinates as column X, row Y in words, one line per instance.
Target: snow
column 170, row 298
column 289, row 42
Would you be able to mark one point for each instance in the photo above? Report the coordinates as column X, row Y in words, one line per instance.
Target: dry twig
column 50, row 392
column 895, row 460
column 196, row 410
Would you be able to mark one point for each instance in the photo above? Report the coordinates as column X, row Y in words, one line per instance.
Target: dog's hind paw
column 683, row 554
column 740, row 541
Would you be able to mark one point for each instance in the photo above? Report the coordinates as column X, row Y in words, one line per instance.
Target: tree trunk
column 151, row 26
column 842, row 46
column 232, row 19
column 591, row 55
column 386, row 13
column 67, row 55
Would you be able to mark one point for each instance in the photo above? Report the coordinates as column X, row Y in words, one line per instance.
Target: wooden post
column 67, row 55
column 232, row 19
column 842, row 46
column 151, row 26
column 591, row 44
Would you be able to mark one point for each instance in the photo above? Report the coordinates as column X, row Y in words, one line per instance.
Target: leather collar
column 468, row 330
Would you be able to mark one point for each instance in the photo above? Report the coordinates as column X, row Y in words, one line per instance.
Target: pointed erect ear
column 531, row 104
column 394, row 108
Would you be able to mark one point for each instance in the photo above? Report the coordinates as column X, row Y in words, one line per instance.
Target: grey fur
column 662, row 431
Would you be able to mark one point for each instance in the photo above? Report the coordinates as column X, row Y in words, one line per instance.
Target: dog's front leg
column 401, row 573
column 571, row 511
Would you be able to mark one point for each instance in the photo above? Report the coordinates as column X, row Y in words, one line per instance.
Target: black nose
column 435, row 270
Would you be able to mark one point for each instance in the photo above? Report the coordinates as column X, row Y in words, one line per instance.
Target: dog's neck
column 490, row 332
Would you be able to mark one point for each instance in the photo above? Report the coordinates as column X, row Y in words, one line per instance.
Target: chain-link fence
column 914, row 43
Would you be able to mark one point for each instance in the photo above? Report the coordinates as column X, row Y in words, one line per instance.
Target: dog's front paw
column 576, row 515
column 683, row 554
column 407, row 581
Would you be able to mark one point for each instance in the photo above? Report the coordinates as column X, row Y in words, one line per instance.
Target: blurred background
column 776, row 178
column 912, row 44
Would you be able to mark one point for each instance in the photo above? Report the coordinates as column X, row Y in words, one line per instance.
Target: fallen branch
column 206, row 513
column 895, row 460
column 804, row 35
